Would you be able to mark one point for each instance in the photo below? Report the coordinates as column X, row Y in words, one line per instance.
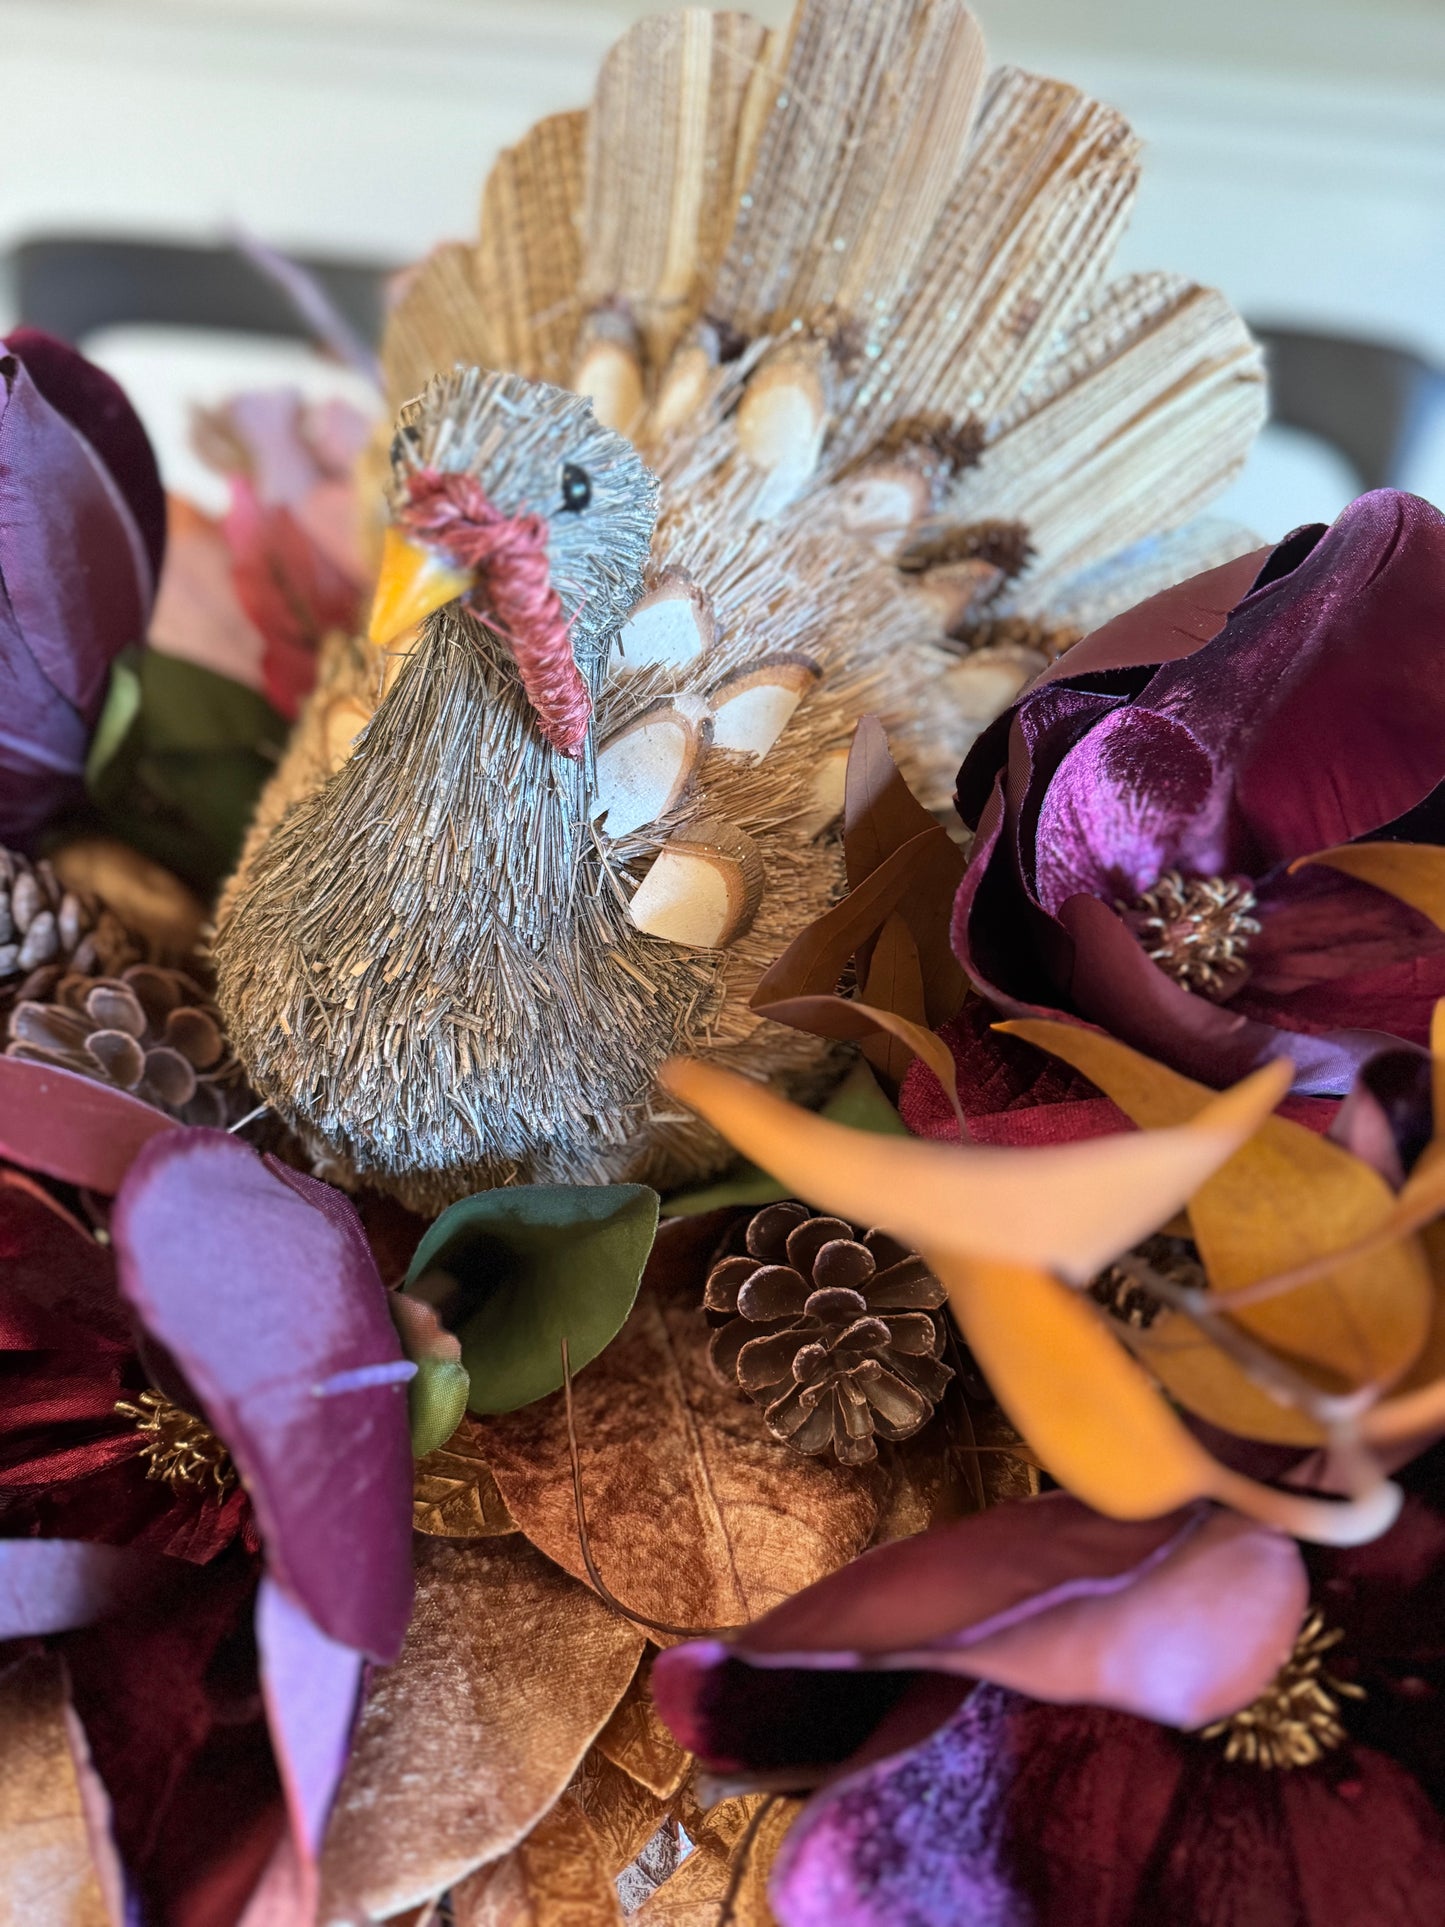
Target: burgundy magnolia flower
column 1313, row 1802
column 82, row 535
column 205, row 1505
column 1139, row 811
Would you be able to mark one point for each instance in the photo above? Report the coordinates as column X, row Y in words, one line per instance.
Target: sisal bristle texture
column 529, row 255
column 1157, row 399
column 662, row 161
column 860, row 149
column 1029, row 228
column 438, row 317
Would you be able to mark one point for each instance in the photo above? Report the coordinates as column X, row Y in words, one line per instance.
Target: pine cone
column 832, row 1334
column 151, row 1031
column 48, row 932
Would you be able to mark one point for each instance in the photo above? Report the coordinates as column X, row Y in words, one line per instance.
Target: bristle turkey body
column 845, row 300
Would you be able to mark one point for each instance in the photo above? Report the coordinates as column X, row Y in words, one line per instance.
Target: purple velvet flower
column 1139, row 811
column 82, row 535
column 243, row 1328
column 1043, row 1799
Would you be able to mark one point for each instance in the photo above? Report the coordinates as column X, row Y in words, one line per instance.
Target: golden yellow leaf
column 1285, row 1197
column 509, row 1671
column 1071, row 1208
column 454, row 1495
column 696, row 1516
column 47, row 1875
column 557, row 1877
column 1207, row 1382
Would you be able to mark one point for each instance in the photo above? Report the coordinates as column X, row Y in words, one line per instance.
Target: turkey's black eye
column 576, row 488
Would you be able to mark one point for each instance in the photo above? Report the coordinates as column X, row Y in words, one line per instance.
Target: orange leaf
column 1071, row 1208
column 1285, row 1197
column 1094, row 1419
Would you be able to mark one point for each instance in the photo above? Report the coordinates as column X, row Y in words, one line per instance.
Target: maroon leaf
column 275, row 1312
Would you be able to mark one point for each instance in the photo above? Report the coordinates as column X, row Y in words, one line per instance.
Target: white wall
column 1296, row 148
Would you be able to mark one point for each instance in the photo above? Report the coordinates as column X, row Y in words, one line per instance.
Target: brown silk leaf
column 624, row 1813
column 853, row 1021
column 509, row 1671
column 919, row 881
column 693, row 1896
column 557, row 1877
column 455, row 1495
column 880, row 815
column 1169, row 625
column 880, row 812
column 47, row 1875
column 636, row 1740
column 1211, row 1385
column 696, row 1516
column 1284, row 1198
column 894, row 983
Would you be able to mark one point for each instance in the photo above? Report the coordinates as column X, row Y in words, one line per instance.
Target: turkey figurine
column 784, row 385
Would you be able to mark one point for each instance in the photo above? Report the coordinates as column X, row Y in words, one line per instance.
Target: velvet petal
column 1128, row 802
column 278, row 1318
column 1021, row 1815
column 1115, row 985
column 1045, row 1596
column 1322, row 695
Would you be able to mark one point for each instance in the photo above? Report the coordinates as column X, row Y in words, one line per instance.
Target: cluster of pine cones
column 79, row 991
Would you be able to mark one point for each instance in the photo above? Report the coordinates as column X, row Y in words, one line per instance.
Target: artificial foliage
column 742, row 1223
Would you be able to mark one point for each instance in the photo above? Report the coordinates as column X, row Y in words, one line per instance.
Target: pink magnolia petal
column 311, row 1687
column 53, row 1585
column 1199, row 1633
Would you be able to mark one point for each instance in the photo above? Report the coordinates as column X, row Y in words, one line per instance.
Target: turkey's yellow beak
column 413, row 583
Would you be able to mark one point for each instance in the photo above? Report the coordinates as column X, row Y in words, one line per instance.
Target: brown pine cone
column 150, row 1031
column 48, row 932
column 833, row 1334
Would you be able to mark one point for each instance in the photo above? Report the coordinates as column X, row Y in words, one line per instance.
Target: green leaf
column 179, row 762
column 436, row 1400
column 122, row 706
column 515, row 1270
column 858, row 1102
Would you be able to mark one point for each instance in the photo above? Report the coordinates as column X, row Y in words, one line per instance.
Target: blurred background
column 1295, row 158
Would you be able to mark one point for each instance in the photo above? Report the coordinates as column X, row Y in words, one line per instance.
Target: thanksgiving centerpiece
column 722, row 1097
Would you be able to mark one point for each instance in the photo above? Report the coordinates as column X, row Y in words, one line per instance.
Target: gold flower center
column 1295, row 1721
column 1197, row 929
column 178, row 1447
